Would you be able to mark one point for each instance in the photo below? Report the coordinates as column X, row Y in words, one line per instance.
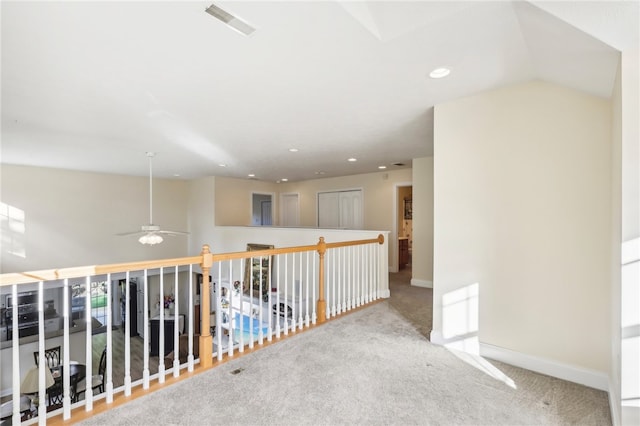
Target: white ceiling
column 94, row 85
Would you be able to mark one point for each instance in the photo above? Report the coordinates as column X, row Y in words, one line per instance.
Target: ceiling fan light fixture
column 150, row 239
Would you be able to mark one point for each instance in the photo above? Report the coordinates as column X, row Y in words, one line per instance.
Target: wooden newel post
column 206, row 341
column 322, row 304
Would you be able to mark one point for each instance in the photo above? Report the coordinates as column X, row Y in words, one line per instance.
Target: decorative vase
column 172, row 308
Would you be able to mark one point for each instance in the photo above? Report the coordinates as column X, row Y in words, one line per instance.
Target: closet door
column 329, row 210
column 340, row 209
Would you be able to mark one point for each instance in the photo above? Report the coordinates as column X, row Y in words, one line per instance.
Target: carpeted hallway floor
column 373, row 366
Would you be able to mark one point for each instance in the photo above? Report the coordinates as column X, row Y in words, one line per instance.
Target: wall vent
column 232, row 21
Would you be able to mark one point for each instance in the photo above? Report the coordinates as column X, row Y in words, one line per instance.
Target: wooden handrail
column 84, row 271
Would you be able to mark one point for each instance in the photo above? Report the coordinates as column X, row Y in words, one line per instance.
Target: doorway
column 404, row 226
column 261, row 209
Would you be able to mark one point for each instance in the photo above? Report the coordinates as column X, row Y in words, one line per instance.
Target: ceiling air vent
column 232, row 21
column 398, row 164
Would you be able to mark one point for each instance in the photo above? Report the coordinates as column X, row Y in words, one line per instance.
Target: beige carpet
column 374, row 366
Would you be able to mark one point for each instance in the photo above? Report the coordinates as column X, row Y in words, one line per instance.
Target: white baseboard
column 385, row 294
column 592, row 378
column 421, row 283
column 614, row 403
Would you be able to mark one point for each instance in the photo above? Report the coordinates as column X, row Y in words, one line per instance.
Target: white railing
column 253, row 297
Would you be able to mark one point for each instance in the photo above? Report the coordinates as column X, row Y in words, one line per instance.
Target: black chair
column 56, row 392
column 51, row 355
column 97, row 380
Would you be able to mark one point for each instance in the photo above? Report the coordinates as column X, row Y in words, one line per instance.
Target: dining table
column 77, row 372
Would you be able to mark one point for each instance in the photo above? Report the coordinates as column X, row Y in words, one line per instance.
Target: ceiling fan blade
column 128, row 234
column 173, row 232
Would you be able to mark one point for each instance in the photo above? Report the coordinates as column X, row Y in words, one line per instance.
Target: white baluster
column 277, row 305
column 88, row 343
column 161, row 372
column 314, row 316
column 286, row 290
column 15, row 355
column 230, row 293
column 145, row 367
column 66, row 413
column 127, row 335
column 176, row 326
column 42, row 362
column 108, row 380
column 293, row 293
column 241, row 304
column 300, row 323
column 191, row 320
column 220, row 315
column 306, row 293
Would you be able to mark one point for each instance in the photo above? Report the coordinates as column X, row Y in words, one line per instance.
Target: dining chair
column 56, row 392
column 97, row 380
column 51, row 355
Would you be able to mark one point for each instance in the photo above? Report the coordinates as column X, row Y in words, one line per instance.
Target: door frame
column 395, row 258
column 270, row 194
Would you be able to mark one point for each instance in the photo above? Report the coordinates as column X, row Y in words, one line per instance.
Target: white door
column 329, row 210
column 290, row 210
column 340, row 209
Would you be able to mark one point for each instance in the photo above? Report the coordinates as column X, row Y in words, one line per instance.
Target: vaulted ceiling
column 95, row 85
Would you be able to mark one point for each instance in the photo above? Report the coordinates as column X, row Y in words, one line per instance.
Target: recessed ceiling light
column 176, row 175
column 320, row 172
column 284, row 180
column 251, row 175
column 440, row 72
column 382, row 167
column 352, row 160
column 222, row 165
column 293, row 149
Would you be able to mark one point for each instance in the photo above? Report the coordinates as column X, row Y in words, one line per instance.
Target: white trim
column 630, row 251
column 436, row 338
column 613, row 408
column 584, row 376
column 384, row 294
column 421, row 283
column 273, row 207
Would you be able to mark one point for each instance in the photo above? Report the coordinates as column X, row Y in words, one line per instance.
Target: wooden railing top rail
column 84, row 271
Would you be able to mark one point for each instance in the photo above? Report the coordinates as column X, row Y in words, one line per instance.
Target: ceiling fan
column 151, row 234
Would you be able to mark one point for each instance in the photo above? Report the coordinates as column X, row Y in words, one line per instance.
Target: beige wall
column 522, row 185
column 71, row 218
column 233, row 199
column 422, row 268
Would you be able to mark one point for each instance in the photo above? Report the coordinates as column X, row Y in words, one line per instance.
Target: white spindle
column 286, row 293
column 66, row 412
column 331, row 307
column 220, row 315
column 261, row 283
column 42, row 362
column 230, row 297
column 127, row 335
column 293, row 293
column 300, row 323
column 161, row 371
column 278, row 312
column 109, row 373
column 15, row 355
column 191, row 320
column 145, row 333
column 269, row 312
column 241, row 304
column 306, row 293
column 314, row 316
column 176, row 326
column 88, row 342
